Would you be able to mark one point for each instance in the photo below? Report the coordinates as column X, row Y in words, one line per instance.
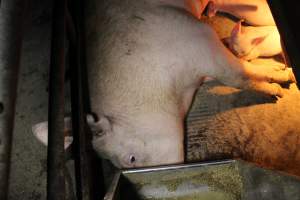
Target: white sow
column 145, row 61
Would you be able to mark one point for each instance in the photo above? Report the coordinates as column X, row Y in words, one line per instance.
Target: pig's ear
column 258, row 40
column 237, row 29
column 99, row 126
column 40, row 131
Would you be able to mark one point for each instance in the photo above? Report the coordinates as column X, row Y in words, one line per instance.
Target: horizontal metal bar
column 174, row 167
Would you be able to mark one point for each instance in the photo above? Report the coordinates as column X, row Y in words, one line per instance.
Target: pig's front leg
column 266, row 79
column 260, row 78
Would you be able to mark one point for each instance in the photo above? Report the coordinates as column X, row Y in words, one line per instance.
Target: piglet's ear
column 40, row 131
column 99, row 126
column 237, row 29
column 258, row 40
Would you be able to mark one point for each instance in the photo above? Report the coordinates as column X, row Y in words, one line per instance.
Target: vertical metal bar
column 285, row 15
column 56, row 162
column 113, row 192
column 11, row 18
column 82, row 167
column 89, row 176
column 95, row 162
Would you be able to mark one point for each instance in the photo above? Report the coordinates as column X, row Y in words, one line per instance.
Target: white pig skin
column 145, row 61
column 251, row 42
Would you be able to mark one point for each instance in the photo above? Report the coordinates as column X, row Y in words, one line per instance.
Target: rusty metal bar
column 11, row 28
column 285, row 15
column 78, row 121
column 83, row 182
column 83, row 187
column 80, row 149
column 89, row 176
column 56, row 159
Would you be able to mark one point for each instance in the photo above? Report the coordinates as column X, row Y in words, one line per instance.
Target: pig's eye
column 132, row 159
column 98, row 133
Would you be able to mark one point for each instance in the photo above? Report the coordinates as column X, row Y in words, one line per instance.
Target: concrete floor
column 28, row 168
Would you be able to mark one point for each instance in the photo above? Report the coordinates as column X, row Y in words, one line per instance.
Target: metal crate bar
column 82, row 172
column 285, row 14
column 11, row 17
column 56, row 159
column 89, row 178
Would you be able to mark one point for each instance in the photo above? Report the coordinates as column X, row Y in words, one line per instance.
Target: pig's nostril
column 1, row 107
column 132, row 159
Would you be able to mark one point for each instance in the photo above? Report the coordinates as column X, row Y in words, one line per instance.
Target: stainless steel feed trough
column 221, row 180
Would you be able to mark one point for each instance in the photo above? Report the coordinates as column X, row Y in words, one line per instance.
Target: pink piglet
column 250, row 42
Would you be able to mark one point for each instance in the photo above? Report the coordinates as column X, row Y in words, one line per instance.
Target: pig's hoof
column 280, row 76
column 279, row 67
column 291, row 75
column 273, row 89
column 279, row 92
